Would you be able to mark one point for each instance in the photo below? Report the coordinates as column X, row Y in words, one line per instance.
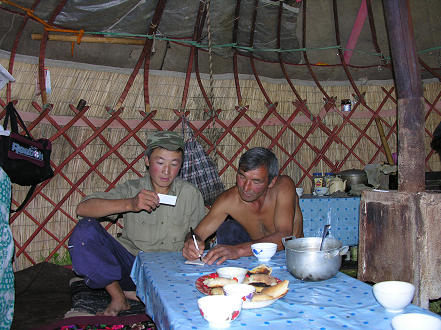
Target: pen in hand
column 195, row 243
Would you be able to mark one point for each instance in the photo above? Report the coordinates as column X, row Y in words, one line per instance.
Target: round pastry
column 277, row 290
column 259, row 286
column 217, row 291
column 261, row 297
column 261, row 269
column 260, row 278
column 218, row 282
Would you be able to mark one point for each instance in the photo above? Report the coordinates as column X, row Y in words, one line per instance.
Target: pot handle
column 284, row 239
column 343, row 250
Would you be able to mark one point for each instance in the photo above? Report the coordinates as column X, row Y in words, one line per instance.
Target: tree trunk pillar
column 407, row 77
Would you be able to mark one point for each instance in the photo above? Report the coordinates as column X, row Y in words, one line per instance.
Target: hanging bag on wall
column 198, row 168
column 24, row 159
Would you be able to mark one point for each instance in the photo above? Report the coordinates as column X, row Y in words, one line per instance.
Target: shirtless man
column 264, row 204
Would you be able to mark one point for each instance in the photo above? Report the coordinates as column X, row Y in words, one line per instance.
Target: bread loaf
column 261, row 297
column 261, row 269
column 277, row 290
column 218, row 282
column 260, row 278
column 217, row 291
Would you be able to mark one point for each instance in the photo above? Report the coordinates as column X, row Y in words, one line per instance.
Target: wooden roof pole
column 90, row 39
column 235, row 70
column 14, row 49
column 149, row 43
column 407, row 77
column 42, row 54
column 360, row 96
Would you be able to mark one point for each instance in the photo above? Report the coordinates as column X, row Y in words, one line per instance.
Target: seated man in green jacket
column 149, row 225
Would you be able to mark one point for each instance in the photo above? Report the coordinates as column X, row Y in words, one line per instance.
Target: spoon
column 325, row 232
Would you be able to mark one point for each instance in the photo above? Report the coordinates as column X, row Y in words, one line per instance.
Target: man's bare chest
column 257, row 223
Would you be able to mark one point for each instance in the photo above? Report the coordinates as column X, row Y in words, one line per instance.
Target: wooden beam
column 356, row 30
column 407, row 77
column 90, row 39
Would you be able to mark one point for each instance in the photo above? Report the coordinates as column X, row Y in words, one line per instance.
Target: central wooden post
column 407, row 76
column 399, row 232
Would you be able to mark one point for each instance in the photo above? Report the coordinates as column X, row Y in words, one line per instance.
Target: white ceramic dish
column 246, row 305
column 394, row 296
column 258, row 304
column 321, row 191
column 243, row 291
column 232, row 272
column 220, row 311
column 412, row 321
column 264, row 251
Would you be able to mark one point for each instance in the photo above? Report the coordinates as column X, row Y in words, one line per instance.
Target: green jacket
column 165, row 228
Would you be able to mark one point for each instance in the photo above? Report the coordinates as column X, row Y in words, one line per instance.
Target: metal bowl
column 353, row 176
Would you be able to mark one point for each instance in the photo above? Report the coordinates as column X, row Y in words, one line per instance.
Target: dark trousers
column 98, row 257
column 231, row 232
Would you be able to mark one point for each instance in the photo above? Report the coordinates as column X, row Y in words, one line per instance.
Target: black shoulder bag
column 24, row 159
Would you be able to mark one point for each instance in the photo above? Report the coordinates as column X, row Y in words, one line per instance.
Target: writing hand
column 189, row 251
column 221, row 253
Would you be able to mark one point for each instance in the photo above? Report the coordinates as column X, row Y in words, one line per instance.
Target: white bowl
column 243, row 291
column 237, row 273
column 394, row 295
column 412, row 321
column 264, row 251
column 321, row 191
column 220, row 311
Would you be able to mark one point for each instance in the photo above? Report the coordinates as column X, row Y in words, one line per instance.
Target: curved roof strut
column 360, row 96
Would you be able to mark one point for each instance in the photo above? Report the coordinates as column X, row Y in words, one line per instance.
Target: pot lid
column 353, row 171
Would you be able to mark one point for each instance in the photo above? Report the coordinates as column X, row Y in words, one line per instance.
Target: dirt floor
column 42, row 295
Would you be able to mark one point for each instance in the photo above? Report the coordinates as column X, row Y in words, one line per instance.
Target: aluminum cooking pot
column 353, row 176
column 305, row 261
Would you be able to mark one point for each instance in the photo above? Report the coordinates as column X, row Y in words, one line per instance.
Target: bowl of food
column 220, row 311
column 264, row 251
column 235, row 273
column 394, row 296
column 243, row 291
column 412, row 321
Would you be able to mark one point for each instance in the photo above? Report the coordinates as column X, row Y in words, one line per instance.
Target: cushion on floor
column 92, row 301
column 133, row 322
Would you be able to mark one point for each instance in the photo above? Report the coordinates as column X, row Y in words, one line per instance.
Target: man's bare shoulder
column 285, row 183
column 228, row 196
column 227, row 201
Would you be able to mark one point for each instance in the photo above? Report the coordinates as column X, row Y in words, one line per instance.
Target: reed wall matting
column 98, row 147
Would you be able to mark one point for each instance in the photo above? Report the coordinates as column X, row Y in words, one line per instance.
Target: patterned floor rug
column 94, row 301
column 132, row 322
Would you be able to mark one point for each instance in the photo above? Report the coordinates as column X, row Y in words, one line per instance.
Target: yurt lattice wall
column 95, row 148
